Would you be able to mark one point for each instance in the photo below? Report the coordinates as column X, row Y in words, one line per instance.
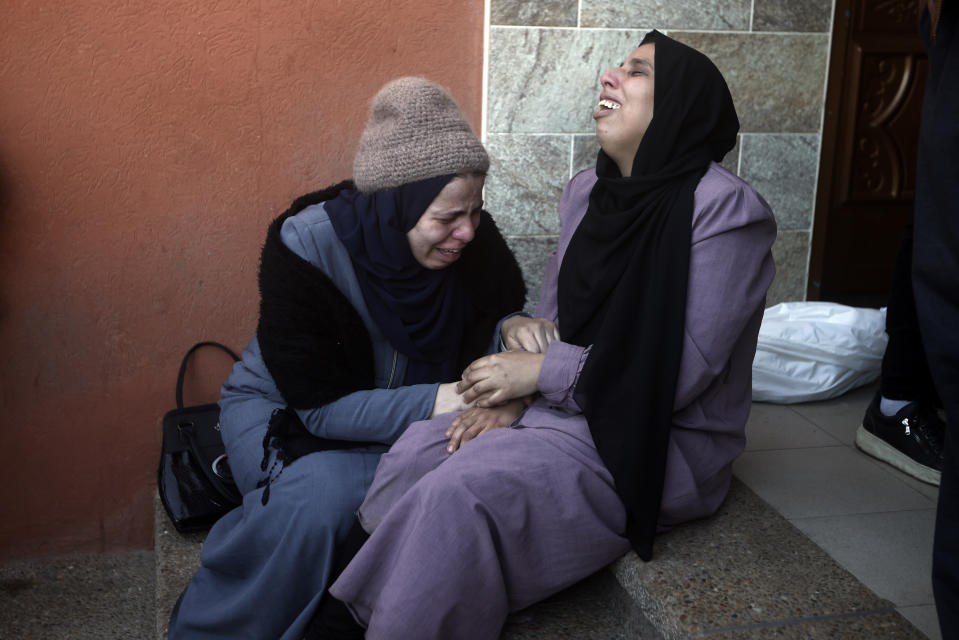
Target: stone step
column 744, row 573
column 597, row 607
column 747, row 572
column 177, row 558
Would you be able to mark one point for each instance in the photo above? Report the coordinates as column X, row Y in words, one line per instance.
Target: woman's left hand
column 478, row 420
column 496, row 379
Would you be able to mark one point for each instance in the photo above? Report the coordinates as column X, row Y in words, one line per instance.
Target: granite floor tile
column 891, row 553
column 924, row 618
column 825, row 481
column 774, row 426
column 931, row 491
column 523, row 195
column 840, row 416
column 865, row 626
column 876, row 535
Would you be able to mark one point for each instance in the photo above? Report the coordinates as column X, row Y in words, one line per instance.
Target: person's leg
column 265, row 567
column 512, row 517
column 905, row 372
column 420, row 449
column 900, row 425
column 936, row 285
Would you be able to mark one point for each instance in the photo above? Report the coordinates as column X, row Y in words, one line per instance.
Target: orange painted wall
column 143, row 149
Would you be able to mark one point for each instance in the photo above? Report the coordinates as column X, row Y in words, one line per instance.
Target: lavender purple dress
column 458, row 541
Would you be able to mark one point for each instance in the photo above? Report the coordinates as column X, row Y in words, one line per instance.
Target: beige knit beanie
column 415, row 132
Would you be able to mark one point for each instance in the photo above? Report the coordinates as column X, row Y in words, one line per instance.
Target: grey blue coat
column 264, row 568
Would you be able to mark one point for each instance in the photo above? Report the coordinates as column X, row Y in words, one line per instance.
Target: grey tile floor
column 872, row 519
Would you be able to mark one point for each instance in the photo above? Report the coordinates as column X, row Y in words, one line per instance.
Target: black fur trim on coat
column 313, row 341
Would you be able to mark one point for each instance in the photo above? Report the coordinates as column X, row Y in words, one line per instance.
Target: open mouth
column 449, row 252
column 608, row 104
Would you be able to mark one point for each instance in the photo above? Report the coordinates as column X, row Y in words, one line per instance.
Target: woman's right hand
column 495, row 379
column 448, row 400
column 528, row 334
column 479, row 420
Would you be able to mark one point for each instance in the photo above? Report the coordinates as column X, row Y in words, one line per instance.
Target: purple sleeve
column 559, row 374
column 730, row 269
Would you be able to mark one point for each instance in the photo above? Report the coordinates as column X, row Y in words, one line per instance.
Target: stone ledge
column 177, row 558
column 597, row 607
column 744, row 573
column 747, row 572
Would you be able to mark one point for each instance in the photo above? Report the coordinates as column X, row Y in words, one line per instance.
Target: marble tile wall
column 545, row 59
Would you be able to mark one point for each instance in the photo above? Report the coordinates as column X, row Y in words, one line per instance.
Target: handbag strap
column 186, row 358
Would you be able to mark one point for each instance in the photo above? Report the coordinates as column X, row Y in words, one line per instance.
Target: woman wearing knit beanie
column 375, row 294
column 639, row 367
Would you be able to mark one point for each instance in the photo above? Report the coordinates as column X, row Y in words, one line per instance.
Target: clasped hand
column 528, row 334
column 494, row 380
column 498, row 387
column 479, row 420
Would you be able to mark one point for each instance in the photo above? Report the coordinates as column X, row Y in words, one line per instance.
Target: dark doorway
column 867, row 170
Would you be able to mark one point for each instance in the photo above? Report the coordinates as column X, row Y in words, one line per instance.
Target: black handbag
column 194, row 479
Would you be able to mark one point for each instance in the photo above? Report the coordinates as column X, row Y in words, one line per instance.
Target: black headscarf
column 622, row 284
column 421, row 311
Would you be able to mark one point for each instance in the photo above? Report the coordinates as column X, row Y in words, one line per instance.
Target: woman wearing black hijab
column 374, row 293
column 638, row 365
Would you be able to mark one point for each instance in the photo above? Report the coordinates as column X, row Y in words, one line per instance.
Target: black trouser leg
column 905, row 372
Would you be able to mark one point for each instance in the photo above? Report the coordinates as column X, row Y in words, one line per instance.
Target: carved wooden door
column 868, row 164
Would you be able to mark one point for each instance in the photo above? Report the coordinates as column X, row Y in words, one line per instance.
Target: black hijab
column 421, row 311
column 622, row 284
